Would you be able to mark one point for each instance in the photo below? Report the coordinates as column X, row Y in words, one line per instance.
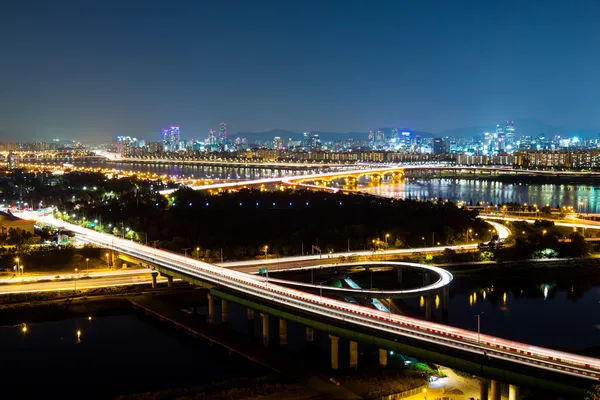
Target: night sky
column 94, row 69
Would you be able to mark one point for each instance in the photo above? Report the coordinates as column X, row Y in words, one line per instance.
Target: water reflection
column 584, row 198
column 207, row 172
column 552, row 313
column 82, row 350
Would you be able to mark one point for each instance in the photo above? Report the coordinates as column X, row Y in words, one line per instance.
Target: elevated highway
column 443, row 338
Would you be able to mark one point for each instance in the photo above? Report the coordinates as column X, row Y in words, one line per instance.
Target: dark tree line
column 243, row 223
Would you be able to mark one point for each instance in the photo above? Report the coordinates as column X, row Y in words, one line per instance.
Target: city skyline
column 100, row 70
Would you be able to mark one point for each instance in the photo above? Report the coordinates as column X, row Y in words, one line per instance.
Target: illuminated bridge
column 376, row 172
column 489, row 357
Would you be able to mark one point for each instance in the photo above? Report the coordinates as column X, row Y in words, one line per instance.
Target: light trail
column 391, row 324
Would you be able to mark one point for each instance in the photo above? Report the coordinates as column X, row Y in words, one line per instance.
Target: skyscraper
column 509, row 131
column 222, row 133
column 170, row 138
column 438, row 146
column 212, row 137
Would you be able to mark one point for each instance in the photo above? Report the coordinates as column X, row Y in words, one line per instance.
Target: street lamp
column 198, row 253
column 544, row 232
column 468, row 231
column 479, row 326
column 18, row 267
column 266, row 250
column 387, row 235
column 87, row 266
column 107, row 260
column 424, row 242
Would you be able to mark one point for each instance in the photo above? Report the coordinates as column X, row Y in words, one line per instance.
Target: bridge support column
column 425, row 278
column 428, row 307
column 400, row 273
column 211, row 308
column 483, row 388
column 514, row 393
column 154, row 276
column 250, row 314
column 353, row 355
column 334, row 351
column 282, row 332
column 310, row 334
column 265, row 324
column 382, row 358
column 445, row 298
column 169, row 281
column 496, row 390
column 224, row 311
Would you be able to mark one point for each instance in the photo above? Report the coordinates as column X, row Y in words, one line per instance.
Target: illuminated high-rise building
column 509, row 131
column 212, row 137
column 277, row 143
column 170, row 138
column 13, row 161
column 222, row 133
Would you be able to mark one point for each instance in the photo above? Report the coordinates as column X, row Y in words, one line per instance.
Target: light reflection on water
column 495, row 192
column 547, row 314
column 209, row 172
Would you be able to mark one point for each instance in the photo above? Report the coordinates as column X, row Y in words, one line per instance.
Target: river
column 562, row 313
column 114, row 355
column 584, row 198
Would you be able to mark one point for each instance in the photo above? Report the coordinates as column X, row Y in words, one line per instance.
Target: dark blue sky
column 99, row 68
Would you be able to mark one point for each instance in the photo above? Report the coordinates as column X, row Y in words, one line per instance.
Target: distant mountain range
column 525, row 126
column 325, row 136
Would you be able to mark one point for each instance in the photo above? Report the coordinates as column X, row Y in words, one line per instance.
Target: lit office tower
column 222, row 133
column 170, row 138
column 500, row 139
column 438, row 146
column 212, row 137
column 277, row 143
column 509, row 131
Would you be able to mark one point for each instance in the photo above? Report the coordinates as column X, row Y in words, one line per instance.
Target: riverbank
column 295, row 381
column 573, row 267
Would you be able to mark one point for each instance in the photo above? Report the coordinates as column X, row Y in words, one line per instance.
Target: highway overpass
column 468, row 347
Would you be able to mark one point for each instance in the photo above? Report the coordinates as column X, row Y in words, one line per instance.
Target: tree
column 593, row 393
column 449, row 254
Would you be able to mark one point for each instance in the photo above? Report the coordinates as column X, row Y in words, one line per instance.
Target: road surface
column 81, row 283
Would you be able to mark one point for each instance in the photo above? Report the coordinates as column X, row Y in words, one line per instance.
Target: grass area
column 383, row 383
column 240, row 389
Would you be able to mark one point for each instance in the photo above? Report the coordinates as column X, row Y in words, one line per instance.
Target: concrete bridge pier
column 211, row 309
column 400, row 273
column 428, row 307
column 310, row 336
column 445, row 298
column 353, row 355
column 382, row 358
column 224, row 311
column 282, row 332
column 265, row 327
column 154, row 276
column 169, row 281
column 483, row 388
column 514, row 392
column 250, row 322
column 334, row 351
column 496, row 390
